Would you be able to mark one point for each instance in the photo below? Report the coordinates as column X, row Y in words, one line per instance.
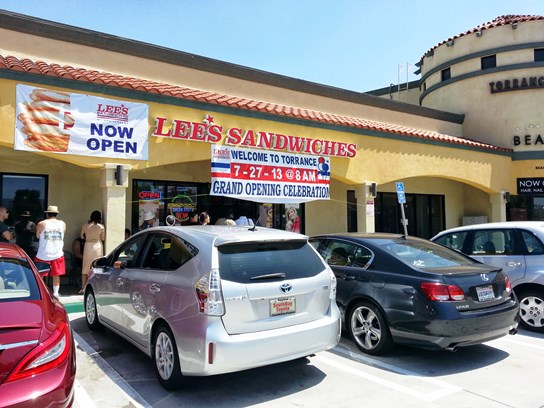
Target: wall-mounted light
column 450, row 43
column 514, row 25
column 373, row 190
column 506, row 196
column 119, row 175
column 479, row 33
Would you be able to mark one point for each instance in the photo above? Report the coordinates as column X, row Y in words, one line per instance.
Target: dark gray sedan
column 397, row 289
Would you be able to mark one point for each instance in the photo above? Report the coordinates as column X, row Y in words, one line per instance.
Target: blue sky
column 350, row 44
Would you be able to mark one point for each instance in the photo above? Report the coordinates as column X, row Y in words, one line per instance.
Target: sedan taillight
column 47, row 355
column 442, row 293
column 209, row 294
column 508, row 284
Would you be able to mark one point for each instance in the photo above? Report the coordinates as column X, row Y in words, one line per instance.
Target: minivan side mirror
column 99, row 262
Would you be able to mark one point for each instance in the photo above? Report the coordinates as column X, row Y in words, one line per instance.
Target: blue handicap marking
column 400, row 192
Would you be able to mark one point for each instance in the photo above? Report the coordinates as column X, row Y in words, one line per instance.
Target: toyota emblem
column 484, row 276
column 286, row 288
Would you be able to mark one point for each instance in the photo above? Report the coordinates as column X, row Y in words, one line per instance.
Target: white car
column 204, row 300
column 515, row 246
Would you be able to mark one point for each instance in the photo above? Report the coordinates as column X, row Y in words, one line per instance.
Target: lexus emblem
column 286, row 288
column 484, row 276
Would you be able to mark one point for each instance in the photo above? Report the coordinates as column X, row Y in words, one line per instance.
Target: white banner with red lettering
column 268, row 176
column 69, row 123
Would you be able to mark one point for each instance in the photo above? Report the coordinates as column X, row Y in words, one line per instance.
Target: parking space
column 504, row 372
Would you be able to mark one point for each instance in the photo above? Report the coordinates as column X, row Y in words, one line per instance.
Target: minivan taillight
column 332, row 293
column 442, row 293
column 46, row 356
column 209, row 294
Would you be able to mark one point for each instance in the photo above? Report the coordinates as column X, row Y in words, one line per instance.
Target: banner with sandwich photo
column 70, row 123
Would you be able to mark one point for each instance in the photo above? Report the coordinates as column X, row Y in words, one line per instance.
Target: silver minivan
column 205, row 300
column 515, row 246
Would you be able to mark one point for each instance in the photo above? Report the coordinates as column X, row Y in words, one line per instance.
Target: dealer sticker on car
column 282, row 306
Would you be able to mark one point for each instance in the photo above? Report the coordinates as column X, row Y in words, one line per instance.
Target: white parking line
column 438, row 389
column 522, row 342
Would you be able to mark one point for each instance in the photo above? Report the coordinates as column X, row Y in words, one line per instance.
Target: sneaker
column 57, row 296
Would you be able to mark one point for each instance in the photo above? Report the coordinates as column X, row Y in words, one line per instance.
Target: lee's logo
column 221, row 154
column 112, row 112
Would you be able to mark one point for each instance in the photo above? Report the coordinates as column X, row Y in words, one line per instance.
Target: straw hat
column 149, row 215
column 52, row 209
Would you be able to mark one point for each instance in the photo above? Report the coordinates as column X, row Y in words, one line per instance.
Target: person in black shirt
column 5, row 233
column 25, row 231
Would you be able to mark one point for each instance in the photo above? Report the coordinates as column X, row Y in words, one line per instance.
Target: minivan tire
column 91, row 312
column 531, row 309
column 166, row 359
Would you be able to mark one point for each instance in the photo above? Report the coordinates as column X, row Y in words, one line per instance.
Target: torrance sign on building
column 208, row 131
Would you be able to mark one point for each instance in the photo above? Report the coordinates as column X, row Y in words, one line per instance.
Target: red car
column 37, row 351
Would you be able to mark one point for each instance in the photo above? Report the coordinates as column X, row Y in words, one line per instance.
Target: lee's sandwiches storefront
column 129, row 139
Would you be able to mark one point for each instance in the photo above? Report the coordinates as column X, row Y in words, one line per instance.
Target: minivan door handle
column 513, row 264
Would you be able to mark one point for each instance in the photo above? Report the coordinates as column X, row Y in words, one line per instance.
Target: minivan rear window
column 261, row 261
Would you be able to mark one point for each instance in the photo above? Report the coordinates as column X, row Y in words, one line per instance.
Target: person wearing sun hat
column 149, row 220
column 50, row 233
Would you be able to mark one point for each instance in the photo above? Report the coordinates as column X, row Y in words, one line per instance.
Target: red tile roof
column 120, row 81
column 497, row 22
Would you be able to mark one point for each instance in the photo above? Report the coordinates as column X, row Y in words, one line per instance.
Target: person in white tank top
column 50, row 233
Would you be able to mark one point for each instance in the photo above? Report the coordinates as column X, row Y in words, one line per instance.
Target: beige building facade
column 454, row 166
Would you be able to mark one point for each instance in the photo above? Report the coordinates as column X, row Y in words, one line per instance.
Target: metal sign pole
column 403, row 219
column 402, row 199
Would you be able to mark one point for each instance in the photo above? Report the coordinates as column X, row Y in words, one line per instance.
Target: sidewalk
column 97, row 384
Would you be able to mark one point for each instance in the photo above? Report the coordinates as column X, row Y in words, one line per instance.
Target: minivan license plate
column 485, row 293
column 282, row 306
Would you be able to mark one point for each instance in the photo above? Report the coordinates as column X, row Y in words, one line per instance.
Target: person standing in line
column 94, row 233
column 204, row 218
column 25, row 231
column 5, row 233
column 77, row 252
column 50, row 233
column 149, row 219
column 192, row 219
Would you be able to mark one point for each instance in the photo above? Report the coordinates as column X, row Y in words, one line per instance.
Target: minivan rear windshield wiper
column 270, row 276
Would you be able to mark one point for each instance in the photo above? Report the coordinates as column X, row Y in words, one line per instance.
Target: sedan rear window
column 423, row 255
column 17, row 281
column 257, row 261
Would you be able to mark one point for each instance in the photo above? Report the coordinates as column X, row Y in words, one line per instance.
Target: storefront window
column 154, row 200
column 425, row 214
column 23, row 192
column 162, row 198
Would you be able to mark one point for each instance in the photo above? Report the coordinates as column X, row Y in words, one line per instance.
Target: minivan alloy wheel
column 531, row 310
column 91, row 314
column 166, row 359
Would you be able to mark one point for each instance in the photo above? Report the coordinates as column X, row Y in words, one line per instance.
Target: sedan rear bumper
column 469, row 329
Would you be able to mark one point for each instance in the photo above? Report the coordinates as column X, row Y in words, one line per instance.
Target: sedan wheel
column 531, row 310
column 369, row 330
column 166, row 359
column 91, row 314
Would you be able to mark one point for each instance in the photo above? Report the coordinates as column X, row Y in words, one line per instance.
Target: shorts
column 57, row 266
